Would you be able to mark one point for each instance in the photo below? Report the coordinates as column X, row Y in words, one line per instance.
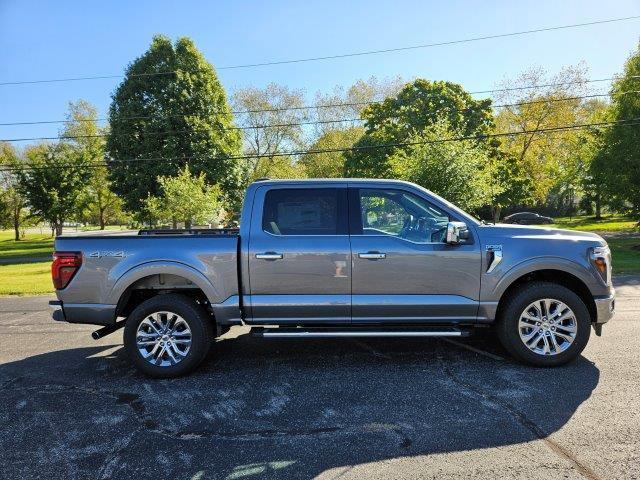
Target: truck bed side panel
column 110, row 262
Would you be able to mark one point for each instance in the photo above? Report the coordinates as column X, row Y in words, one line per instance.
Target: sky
column 49, row 40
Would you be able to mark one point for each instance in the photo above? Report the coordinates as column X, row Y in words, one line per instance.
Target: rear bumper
column 57, row 313
column 88, row 313
column 605, row 308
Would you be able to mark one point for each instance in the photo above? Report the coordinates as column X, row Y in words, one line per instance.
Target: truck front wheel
column 167, row 336
column 544, row 324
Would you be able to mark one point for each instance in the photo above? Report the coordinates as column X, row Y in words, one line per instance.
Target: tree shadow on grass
column 260, row 408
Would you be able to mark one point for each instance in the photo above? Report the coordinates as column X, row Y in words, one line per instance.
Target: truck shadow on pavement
column 292, row 408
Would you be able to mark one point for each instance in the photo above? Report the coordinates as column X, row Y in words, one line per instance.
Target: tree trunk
column 58, row 228
column 496, row 214
column 102, row 219
column 16, row 223
column 598, row 206
column 174, row 223
column 187, row 224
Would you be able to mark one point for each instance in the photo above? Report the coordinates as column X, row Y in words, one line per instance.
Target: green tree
column 512, row 184
column 172, row 108
column 623, row 141
column 594, row 171
column 548, row 159
column 458, row 171
column 52, row 180
column 330, row 164
column 98, row 203
column 339, row 125
column 12, row 201
column 281, row 109
column 348, row 103
column 417, row 107
column 185, row 197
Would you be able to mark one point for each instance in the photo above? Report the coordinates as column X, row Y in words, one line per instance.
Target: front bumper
column 605, row 308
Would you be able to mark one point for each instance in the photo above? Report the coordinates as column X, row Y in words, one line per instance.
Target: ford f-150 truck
column 338, row 258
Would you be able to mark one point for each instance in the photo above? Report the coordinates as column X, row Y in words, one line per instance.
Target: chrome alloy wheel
column 547, row 327
column 163, row 339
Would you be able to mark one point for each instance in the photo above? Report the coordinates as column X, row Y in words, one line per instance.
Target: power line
column 430, row 45
column 338, row 56
column 318, row 106
column 250, row 127
column 315, row 122
column 626, row 122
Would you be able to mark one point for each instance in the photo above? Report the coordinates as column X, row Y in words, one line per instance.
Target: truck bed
column 112, row 263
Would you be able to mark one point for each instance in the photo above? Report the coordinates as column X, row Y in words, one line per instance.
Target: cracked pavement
column 74, row 408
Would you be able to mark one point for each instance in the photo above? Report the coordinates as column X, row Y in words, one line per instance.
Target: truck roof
column 365, row 181
column 327, row 180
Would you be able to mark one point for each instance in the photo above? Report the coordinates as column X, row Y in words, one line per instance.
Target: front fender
column 168, row 268
column 496, row 288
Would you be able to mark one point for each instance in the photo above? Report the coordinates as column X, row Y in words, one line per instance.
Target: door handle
column 372, row 255
column 269, row 256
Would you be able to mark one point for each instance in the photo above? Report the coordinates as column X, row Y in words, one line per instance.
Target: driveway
column 71, row 407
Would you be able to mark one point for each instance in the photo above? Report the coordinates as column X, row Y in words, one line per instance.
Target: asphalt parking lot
column 71, row 407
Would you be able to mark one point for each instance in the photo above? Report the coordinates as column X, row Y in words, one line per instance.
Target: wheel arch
column 550, row 275
column 156, row 278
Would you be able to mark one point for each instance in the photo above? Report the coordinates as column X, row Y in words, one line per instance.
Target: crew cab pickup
column 338, row 258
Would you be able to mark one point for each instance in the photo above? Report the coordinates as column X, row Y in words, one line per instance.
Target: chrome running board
column 357, row 332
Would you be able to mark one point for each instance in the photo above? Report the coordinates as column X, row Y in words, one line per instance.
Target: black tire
column 193, row 314
column 507, row 326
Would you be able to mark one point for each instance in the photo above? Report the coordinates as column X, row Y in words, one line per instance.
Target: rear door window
column 305, row 211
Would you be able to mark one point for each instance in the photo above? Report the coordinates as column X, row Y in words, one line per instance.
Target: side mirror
column 457, row 232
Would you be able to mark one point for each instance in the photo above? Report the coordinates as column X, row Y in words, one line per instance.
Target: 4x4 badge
column 107, row 253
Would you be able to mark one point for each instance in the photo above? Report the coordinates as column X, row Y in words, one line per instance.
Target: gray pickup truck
column 338, row 258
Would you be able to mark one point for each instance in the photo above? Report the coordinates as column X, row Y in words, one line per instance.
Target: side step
column 355, row 331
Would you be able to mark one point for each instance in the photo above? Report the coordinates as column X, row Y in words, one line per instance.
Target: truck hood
column 525, row 232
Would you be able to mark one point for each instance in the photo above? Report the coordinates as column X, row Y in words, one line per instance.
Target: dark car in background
column 527, row 218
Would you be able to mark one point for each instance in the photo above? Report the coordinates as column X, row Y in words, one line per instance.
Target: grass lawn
column 624, row 249
column 26, row 279
column 612, row 223
column 33, row 247
column 626, row 254
column 25, row 266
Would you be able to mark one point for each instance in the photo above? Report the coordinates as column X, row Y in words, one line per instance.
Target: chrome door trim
column 269, row 256
column 372, row 255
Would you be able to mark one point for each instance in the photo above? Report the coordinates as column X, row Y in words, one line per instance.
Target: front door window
column 403, row 215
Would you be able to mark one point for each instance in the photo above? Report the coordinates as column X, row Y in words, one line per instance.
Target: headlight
column 600, row 258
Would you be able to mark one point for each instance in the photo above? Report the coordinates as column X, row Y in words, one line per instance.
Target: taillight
column 64, row 267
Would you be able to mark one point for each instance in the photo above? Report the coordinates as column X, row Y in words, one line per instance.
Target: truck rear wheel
column 167, row 336
column 544, row 324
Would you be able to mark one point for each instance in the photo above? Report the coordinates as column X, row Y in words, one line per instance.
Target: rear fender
column 167, row 268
